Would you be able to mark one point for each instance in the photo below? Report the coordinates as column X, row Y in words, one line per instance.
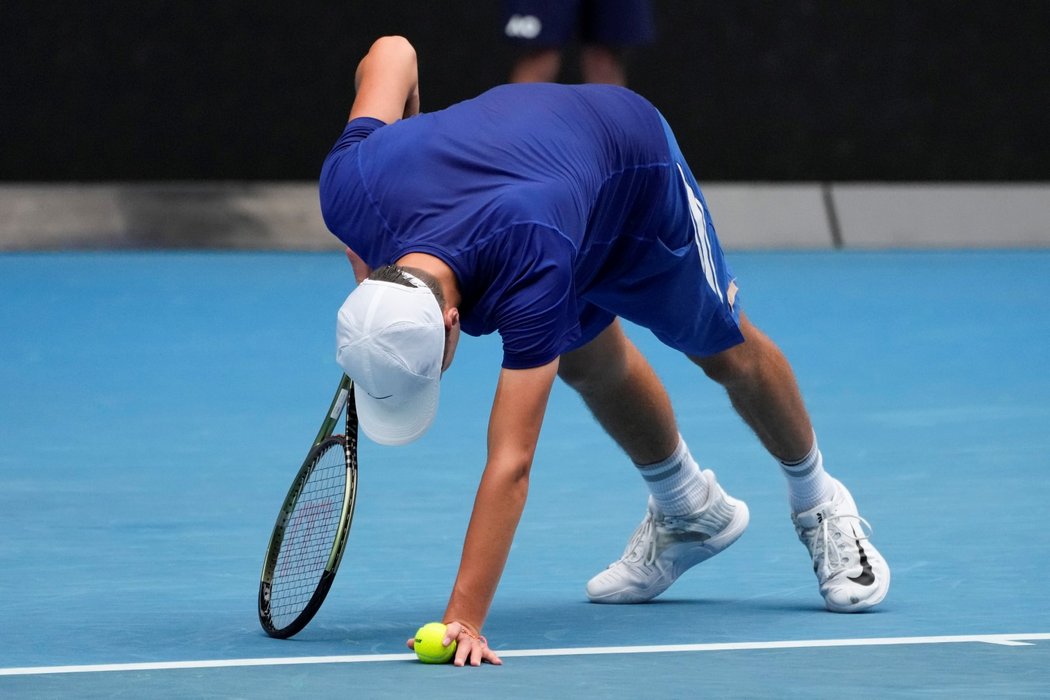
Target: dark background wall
column 756, row 90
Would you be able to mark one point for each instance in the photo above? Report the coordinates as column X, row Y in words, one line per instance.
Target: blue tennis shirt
column 552, row 204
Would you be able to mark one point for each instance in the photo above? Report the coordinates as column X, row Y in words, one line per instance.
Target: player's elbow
column 516, row 485
column 393, row 45
column 388, row 53
column 513, row 475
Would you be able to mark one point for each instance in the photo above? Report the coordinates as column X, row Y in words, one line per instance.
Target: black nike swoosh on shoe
column 867, row 576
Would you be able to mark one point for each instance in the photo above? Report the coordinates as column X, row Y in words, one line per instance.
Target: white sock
column 808, row 484
column 676, row 484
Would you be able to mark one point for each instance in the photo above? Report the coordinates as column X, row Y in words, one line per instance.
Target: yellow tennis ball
column 428, row 645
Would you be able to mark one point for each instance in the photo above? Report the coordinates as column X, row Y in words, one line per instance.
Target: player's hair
column 396, row 274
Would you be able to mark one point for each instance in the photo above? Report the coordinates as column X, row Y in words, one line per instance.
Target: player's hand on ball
column 471, row 646
column 432, row 645
column 438, row 643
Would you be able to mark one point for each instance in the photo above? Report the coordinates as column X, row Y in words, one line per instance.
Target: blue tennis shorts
column 554, row 23
column 682, row 288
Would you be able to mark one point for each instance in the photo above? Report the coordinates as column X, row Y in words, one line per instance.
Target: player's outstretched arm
column 387, row 81
column 514, row 429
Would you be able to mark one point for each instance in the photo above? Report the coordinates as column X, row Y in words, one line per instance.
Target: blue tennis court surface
column 154, row 407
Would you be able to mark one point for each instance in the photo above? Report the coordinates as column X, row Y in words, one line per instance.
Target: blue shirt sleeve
column 356, row 130
column 340, row 188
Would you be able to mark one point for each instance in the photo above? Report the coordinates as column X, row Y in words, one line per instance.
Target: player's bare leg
column 689, row 518
column 624, row 394
column 763, row 390
column 852, row 574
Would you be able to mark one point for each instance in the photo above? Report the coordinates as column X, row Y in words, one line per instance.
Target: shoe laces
column 642, row 546
column 831, row 544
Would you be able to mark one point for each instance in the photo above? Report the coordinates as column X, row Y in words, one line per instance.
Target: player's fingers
column 452, row 631
column 476, row 653
column 462, row 652
column 487, row 655
column 412, row 643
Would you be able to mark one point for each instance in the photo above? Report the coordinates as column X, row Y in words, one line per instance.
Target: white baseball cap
column 390, row 339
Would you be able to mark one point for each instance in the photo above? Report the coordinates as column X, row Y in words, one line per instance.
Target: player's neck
column 437, row 267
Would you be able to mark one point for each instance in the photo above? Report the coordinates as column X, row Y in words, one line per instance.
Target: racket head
column 310, row 535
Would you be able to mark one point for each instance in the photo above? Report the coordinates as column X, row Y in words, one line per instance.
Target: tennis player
column 545, row 213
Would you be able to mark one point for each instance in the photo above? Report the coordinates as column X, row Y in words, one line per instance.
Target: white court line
column 1000, row 639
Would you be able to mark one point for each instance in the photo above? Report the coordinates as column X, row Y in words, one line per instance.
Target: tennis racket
column 312, row 526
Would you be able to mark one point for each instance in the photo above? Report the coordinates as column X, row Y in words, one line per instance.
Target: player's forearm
column 497, row 509
column 389, row 68
column 514, row 430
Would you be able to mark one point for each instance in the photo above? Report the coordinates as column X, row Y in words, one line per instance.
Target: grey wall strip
column 944, row 215
column 285, row 216
column 277, row 216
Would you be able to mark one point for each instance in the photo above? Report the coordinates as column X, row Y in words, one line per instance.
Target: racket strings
column 309, row 535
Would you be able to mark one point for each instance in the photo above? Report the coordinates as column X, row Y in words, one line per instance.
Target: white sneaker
column 853, row 575
column 664, row 547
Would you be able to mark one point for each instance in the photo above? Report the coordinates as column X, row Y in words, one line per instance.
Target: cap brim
column 397, row 423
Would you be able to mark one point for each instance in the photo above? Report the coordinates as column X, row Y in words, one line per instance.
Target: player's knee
column 577, row 375
column 590, row 377
column 603, row 364
column 744, row 361
column 730, row 365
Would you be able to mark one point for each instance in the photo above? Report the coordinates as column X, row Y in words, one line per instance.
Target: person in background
column 605, row 28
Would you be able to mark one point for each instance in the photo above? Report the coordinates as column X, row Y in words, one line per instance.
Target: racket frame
column 343, row 399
